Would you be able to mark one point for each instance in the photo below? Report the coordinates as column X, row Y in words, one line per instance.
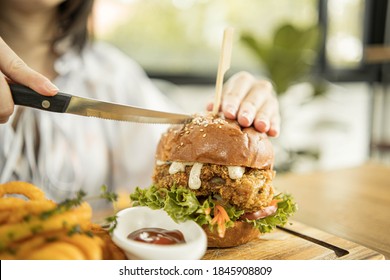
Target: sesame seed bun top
column 215, row 140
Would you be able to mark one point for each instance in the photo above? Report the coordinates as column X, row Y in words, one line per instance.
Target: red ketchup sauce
column 157, row 236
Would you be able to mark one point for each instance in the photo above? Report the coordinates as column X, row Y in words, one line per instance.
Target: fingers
column 6, row 102
column 257, row 97
column 14, row 68
column 235, row 89
column 268, row 118
column 251, row 102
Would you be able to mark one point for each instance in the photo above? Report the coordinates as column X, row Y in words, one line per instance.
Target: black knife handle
column 27, row 97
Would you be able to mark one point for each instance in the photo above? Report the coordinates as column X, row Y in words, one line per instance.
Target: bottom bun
column 239, row 234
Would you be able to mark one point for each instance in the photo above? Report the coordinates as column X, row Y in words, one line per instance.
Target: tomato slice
column 267, row 211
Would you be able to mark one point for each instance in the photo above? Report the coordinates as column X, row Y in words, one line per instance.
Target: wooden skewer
column 224, row 65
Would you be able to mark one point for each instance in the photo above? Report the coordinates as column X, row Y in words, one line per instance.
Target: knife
column 72, row 104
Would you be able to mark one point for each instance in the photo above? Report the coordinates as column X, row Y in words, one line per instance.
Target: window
column 344, row 44
column 183, row 37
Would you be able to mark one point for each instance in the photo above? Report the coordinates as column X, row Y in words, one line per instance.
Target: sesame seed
column 204, row 135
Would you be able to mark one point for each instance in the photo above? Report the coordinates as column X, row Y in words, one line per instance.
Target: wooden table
column 352, row 203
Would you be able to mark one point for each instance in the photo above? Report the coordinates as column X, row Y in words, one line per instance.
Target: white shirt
column 84, row 153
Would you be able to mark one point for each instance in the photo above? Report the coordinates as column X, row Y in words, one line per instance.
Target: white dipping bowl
column 134, row 218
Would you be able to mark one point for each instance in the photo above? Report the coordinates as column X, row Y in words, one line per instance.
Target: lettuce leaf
column 151, row 197
column 181, row 204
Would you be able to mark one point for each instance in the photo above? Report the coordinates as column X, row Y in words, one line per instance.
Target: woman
column 45, row 45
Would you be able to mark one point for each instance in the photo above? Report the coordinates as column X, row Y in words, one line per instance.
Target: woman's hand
column 251, row 102
column 13, row 68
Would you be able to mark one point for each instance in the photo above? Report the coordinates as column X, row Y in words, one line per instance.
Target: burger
column 219, row 174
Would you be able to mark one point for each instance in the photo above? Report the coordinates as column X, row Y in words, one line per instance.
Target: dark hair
column 73, row 16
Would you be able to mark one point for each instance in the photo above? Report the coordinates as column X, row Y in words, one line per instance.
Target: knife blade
column 72, row 104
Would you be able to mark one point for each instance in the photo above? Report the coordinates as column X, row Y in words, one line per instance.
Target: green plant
column 289, row 57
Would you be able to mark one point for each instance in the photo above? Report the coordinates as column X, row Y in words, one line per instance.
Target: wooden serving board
column 295, row 241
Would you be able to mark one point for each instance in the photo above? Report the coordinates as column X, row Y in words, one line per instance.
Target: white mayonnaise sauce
column 160, row 162
column 194, row 180
column 236, row 172
column 178, row 167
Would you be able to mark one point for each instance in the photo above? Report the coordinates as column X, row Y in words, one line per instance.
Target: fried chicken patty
column 252, row 192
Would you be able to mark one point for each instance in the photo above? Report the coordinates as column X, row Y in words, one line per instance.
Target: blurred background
column 328, row 60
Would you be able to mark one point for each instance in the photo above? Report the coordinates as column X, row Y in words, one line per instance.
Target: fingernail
column 273, row 132
column 246, row 119
column 51, row 87
column 262, row 125
column 247, row 116
column 231, row 110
